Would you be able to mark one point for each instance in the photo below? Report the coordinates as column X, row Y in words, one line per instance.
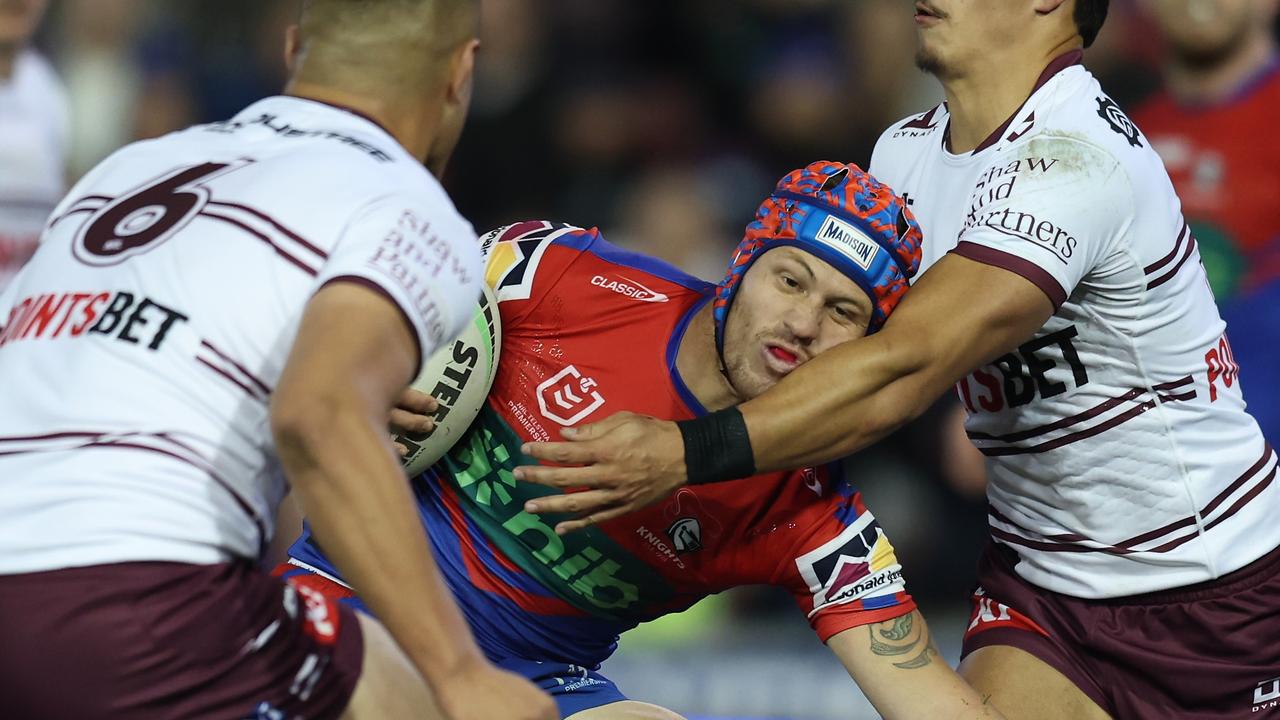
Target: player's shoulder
column 546, row 252
column 1075, row 115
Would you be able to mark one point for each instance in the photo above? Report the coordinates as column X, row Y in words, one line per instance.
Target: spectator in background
column 33, row 136
column 1213, row 125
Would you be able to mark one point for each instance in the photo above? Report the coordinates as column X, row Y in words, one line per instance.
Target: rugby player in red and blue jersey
column 589, row 330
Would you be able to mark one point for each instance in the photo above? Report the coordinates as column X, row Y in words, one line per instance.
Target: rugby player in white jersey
column 1133, row 569
column 278, row 275
column 33, row 136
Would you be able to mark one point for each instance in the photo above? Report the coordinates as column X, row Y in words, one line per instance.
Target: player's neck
column 1196, row 84
column 982, row 98
column 408, row 125
column 699, row 364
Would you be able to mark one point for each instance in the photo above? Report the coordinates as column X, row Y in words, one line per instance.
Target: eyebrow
column 799, row 258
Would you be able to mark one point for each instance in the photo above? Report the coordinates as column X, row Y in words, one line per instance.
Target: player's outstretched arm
column 897, row 666
column 352, row 358
column 959, row 315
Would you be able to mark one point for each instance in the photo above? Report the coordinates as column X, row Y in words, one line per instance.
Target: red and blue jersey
column 590, row 330
column 1225, row 164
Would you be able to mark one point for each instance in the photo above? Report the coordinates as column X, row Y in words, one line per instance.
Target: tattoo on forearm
column 903, row 636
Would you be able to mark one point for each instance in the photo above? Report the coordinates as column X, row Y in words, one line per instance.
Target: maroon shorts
column 1210, row 650
column 159, row 640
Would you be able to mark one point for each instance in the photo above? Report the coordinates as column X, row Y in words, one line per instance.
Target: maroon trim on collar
column 1057, row 65
column 344, row 108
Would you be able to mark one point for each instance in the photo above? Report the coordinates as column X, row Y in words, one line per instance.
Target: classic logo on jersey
column 630, row 288
column 849, row 240
column 686, row 535
column 858, row 564
column 1119, row 122
column 513, row 254
column 568, row 397
column 1266, row 695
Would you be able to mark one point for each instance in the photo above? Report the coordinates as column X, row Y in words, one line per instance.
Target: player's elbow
column 304, row 423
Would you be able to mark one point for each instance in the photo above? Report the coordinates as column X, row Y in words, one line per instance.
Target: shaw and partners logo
column 1266, row 696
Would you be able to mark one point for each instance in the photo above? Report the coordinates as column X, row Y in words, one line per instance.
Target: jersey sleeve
column 1051, row 213
column 844, row 573
column 425, row 262
column 521, row 266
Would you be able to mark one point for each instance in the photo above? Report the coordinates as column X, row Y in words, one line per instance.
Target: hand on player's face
column 414, row 413
column 791, row 306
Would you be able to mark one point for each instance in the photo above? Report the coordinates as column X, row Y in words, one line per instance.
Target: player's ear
column 462, row 68
column 291, row 48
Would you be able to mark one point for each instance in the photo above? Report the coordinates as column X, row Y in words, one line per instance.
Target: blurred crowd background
column 663, row 122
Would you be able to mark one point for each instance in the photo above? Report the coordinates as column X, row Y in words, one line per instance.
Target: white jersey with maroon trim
column 144, row 338
column 33, row 145
column 1120, row 456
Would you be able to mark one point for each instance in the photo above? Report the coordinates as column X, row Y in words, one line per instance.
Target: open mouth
column 784, row 356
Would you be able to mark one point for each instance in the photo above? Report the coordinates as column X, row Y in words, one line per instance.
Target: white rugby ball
column 459, row 376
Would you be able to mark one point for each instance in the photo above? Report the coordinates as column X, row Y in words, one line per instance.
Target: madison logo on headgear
column 859, row 564
column 848, row 240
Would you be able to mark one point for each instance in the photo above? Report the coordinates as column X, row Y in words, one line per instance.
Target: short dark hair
column 1090, row 14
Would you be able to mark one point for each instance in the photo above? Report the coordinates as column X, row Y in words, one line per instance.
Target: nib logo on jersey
column 859, row 564
column 568, row 397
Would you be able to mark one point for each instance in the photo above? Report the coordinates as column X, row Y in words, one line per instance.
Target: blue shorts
column 574, row 688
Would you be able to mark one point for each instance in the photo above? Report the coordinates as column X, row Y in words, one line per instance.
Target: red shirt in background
column 1224, row 160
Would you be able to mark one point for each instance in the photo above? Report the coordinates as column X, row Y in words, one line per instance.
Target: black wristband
column 717, row 447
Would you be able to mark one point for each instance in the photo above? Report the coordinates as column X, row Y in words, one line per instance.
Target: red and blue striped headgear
column 844, row 217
